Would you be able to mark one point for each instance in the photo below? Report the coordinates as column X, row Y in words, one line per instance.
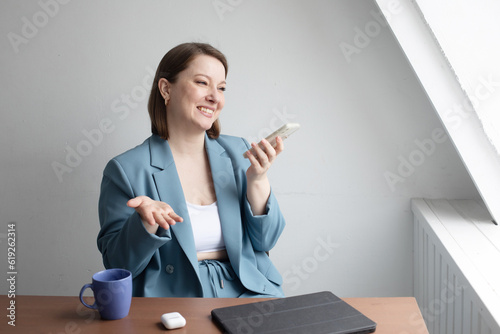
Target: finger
column 134, row 202
column 148, row 218
column 165, row 224
column 253, row 160
column 261, row 155
column 176, row 217
column 159, row 219
column 265, row 145
column 268, row 150
column 168, row 219
column 169, row 213
column 137, row 201
column 249, row 151
column 280, row 146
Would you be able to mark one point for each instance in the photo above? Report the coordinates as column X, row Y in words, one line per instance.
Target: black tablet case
column 315, row 313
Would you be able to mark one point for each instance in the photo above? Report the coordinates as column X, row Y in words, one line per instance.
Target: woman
column 184, row 211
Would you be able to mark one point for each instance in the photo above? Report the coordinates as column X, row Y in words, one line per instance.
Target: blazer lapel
column 227, row 199
column 170, row 191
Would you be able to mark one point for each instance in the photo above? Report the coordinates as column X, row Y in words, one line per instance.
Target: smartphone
column 284, row 132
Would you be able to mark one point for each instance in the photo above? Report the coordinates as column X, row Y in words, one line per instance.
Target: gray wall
column 73, row 93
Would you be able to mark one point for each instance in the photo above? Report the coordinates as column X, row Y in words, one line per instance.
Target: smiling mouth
column 206, row 110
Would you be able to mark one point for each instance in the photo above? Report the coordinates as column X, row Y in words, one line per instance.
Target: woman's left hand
column 258, row 187
column 261, row 161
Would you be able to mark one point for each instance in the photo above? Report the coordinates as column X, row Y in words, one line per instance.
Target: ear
column 164, row 87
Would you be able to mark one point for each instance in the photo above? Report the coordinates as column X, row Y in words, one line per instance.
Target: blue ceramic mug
column 112, row 293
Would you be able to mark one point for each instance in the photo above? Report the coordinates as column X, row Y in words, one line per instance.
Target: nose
column 213, row 95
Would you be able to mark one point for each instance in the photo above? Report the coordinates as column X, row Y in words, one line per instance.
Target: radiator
column 449, row 303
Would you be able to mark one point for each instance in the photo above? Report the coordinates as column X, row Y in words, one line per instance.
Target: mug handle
column 81, row 297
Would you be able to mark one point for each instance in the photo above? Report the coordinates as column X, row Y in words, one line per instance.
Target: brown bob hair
column 175, row 61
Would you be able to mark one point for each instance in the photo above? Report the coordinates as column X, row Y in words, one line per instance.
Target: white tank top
column 206, row 227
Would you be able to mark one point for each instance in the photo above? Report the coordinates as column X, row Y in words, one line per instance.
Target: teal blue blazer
column 165, row 264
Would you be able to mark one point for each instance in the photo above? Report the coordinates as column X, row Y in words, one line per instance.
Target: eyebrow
column 208, row 77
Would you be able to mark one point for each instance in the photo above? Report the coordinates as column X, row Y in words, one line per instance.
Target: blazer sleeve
column 123, row 240
column 264, row 230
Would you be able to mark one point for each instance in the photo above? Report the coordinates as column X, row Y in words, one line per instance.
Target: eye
column 222, row 89
column 201, row 82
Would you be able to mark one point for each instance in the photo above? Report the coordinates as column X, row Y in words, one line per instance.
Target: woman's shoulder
column 135, row 152
column 136, row 157
column 232, row 142
column 138, row 161
column 233, row 145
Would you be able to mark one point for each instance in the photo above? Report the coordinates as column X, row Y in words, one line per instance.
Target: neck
column 182, row 144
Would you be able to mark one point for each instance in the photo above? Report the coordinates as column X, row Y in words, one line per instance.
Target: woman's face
column 197, row 97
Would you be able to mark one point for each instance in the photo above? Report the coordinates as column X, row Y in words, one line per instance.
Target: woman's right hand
column 154, row 213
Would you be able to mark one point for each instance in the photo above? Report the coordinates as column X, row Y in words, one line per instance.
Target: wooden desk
column 57, row 315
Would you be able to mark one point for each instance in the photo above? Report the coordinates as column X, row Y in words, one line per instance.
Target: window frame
column 454, row 106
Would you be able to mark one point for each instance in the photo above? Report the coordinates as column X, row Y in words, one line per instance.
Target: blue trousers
column 219, row 280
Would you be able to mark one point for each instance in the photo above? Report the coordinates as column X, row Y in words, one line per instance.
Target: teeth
column 210, row 111
column 206, row 110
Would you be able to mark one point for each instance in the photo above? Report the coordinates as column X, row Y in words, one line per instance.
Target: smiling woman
column 164, row 216
column 173, row 63
column 196, row 97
